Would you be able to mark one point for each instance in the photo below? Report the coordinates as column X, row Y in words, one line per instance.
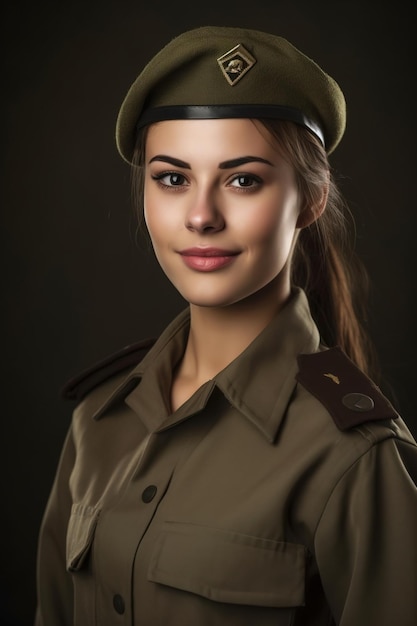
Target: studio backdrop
column 79, row 279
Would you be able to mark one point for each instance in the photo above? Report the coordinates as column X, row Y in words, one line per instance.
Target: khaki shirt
column 248, row 506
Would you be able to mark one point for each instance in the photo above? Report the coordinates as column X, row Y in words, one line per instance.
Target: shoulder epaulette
column 347, row 393
column 129, row 356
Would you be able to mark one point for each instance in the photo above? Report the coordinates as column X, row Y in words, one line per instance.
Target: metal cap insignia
column 236, row 63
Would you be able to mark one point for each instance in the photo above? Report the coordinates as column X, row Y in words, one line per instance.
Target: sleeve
column 366, row 541
column 54, row 583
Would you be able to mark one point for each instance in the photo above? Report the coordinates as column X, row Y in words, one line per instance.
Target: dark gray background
column 78, row 283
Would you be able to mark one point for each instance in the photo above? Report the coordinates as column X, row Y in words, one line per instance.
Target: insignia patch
column 236, row 63
column 347, row 393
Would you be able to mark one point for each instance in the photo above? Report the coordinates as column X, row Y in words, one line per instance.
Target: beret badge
column 235, row 63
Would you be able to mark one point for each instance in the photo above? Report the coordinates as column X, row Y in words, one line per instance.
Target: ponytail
column 337, row 287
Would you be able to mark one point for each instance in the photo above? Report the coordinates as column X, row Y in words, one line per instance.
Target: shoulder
column 347, row 393
column 129, row 356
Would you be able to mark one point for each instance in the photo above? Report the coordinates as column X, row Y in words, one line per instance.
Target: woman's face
column 221, row 207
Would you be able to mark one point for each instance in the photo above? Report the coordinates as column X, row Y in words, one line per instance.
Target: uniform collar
column 261, row 381
column 258, row 383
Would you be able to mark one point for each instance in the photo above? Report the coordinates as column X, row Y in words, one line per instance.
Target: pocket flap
column 80, row 534
column 229, row 567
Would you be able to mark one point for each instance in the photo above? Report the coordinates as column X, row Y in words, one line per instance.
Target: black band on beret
column 203, row 112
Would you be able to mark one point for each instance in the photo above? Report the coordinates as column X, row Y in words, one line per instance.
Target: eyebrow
column 171, row 161
column 224, row 165
column 241, row 161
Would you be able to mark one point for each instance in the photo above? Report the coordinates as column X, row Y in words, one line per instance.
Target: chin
column 206, row 299
column 214, row 300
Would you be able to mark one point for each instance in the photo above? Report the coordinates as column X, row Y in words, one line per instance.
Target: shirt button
column 149, row 493
column 119, row 604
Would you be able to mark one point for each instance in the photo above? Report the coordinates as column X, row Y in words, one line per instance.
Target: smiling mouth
column 208, row 259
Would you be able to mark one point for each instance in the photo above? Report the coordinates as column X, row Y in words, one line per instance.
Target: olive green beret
column 223, row 72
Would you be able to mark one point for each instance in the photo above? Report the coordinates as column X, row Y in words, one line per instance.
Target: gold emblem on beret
column 236, row 63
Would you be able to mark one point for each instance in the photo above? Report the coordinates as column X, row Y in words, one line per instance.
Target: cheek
column 276, row 226
column 156, row 219
column 162, row 213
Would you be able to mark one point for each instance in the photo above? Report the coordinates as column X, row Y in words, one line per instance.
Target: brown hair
column 325, row 263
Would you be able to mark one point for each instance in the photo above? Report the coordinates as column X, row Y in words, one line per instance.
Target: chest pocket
column 80, row 534
column 229, row 567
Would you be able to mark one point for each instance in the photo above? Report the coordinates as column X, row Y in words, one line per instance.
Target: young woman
column 243, row 469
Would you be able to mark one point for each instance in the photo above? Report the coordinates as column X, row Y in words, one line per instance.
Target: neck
column 218, row 335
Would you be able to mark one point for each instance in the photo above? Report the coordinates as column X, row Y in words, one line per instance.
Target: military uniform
column 283, row 492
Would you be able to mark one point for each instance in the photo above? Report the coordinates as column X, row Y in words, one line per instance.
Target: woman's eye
column 170, row 179
column 245, row 180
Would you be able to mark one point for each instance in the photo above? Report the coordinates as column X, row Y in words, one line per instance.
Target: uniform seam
column 371, row 447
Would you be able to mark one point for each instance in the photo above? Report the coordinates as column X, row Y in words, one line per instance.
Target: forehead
column 221, row 136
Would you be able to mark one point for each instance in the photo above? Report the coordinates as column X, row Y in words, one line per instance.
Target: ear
column 309, row 214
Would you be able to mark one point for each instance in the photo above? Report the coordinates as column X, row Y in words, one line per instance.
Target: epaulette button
column 358, row 402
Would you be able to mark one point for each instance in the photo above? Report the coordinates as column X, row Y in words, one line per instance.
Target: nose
column 205, row 215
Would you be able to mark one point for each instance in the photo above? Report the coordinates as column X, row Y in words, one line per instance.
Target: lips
column 208, row 259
